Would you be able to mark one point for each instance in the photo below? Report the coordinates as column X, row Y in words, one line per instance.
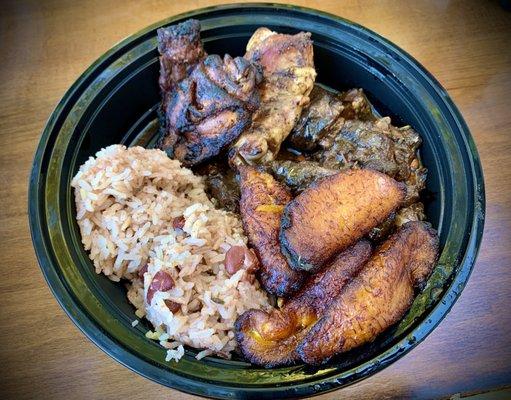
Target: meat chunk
column 261, row 205
column 376, row 298
column 334, row 213
column 414, row 212
column 376, row 145
column 270, row 339
column 326, row 114
column 356, row 105
column 322, row 115
column 180, row 49
column 221, row 184
column 288, row 77
column 298, row 175
column 210, row 108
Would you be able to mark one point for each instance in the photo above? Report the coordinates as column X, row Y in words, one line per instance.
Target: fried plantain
column 333, row 213
column 270, row 339
column 377, row 297
column 262, row 201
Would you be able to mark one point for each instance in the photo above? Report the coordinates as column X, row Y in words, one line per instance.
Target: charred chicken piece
column 376, row 145
column 210, row 108
column 270, row 339
column 180, row 49
column 377, row 297
column 288, row 77
column 334, row 213
column 261, row 205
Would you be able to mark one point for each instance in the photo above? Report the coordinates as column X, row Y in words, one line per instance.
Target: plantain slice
column 261, row 205
column 270, row 339
column 377, row 297
column 335, row 212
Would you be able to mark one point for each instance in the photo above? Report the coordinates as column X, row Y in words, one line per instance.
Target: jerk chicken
column 288, row 77
column 334, row 213
column 212, row 107
column 208, row 109
column 262, row 202
column 207, row 101
column 180, row 49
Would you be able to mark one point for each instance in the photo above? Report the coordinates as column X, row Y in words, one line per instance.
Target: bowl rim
column 126, row 358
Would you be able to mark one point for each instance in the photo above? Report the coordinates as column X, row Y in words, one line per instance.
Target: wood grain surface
column 46, row 45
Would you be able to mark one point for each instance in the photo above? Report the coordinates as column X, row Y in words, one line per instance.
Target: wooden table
column 46, row 45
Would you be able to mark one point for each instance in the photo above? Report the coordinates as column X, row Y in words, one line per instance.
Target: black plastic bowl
column 114, row 102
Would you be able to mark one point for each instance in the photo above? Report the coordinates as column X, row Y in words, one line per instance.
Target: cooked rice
column 126, row 200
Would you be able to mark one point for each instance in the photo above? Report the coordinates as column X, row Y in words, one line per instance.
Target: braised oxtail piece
column 325, row 115
column 335, row 212
column 380, row 146
column 270, row 339
column 299, row 175
column 377, row 297
column 262, row 201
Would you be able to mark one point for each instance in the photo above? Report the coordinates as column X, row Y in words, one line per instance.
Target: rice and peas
column 146, row 220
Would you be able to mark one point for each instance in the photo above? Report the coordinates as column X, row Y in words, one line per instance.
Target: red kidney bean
column 142, row 271
column 251, row 266
column 161, row 282
column 178, row 222
column 251, row 261
column 172, row 305
column 234, row 259
column 238, row 257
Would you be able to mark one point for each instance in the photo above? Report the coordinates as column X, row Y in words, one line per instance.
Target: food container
column 115, row 101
